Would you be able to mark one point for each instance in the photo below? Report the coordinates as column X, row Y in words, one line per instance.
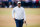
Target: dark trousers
column 19, row 23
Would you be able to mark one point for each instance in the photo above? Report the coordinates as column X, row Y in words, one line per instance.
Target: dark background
column 24, row 3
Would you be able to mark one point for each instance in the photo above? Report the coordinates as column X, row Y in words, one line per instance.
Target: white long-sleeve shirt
column 19, row 13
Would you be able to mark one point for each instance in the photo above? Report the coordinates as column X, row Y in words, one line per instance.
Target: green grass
column 27, row 11
column 23, row 26
column 32, row 11
column 7, row 26
column 5, row 12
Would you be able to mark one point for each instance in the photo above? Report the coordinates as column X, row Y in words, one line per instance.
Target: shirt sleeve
column 24, row 16
column 13, row 11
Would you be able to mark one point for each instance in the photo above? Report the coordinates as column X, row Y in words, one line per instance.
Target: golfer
column 19, row 15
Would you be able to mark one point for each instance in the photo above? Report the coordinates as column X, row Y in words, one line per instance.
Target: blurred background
column 32, row 12
column 24, row 3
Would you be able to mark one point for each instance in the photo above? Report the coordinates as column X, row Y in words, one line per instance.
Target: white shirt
column 27, row 1
column 10, row 6
column 34, row 1
column 17, row 0
column 19, row 13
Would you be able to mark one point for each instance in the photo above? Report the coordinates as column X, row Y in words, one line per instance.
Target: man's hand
column 14, row 18
column 24, row 21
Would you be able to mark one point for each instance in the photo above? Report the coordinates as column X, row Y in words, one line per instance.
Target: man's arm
column 24, row 17
column 13, row 11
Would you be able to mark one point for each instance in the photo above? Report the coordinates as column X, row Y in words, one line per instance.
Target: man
column 18, row 0
column 19, row 16
column 37, row 3
column 34, row 3
column 27, row 2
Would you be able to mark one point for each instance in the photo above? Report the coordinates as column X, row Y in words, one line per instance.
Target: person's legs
column 17, row 22
column 21, row 23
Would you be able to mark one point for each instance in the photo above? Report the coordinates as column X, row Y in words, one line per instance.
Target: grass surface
column 27, row 11
column 7, row 11
column 23, row 26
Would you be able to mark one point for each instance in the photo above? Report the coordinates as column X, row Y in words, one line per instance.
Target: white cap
column 18, row 2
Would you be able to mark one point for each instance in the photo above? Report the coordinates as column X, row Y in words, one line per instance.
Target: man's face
column 19, row 4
